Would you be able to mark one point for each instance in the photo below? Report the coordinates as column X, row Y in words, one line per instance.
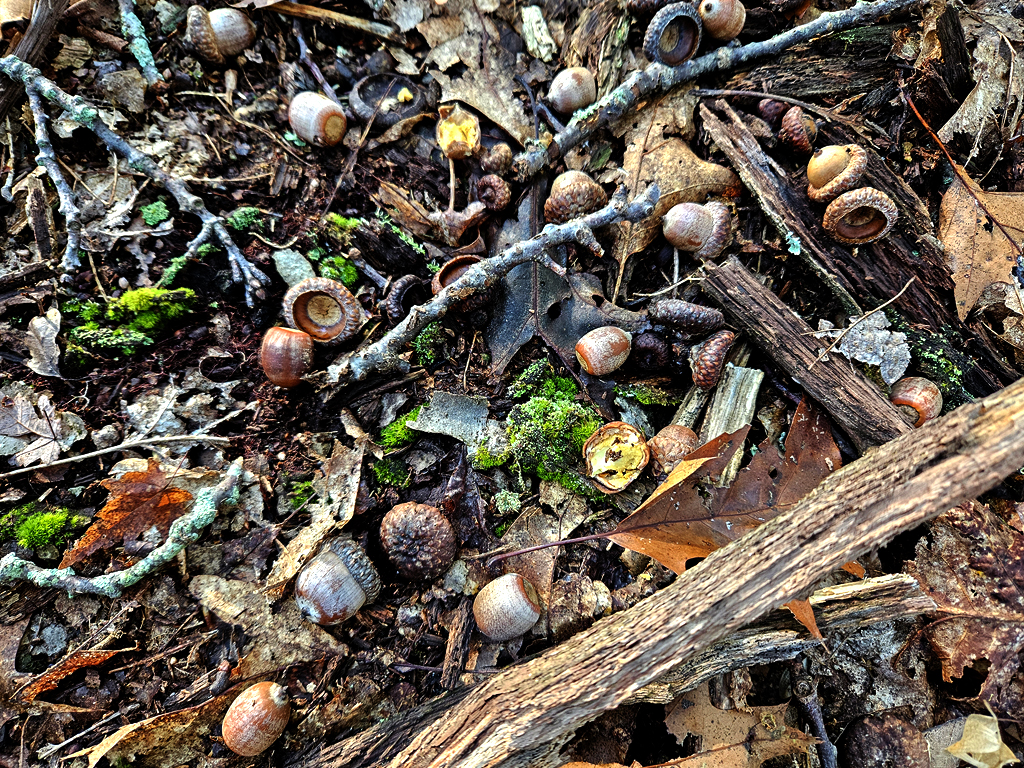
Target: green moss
column 939, row 357
column 647, row 395
column 429, row 344
column 150, row 309
column 171, row 271
column 398, row 434
column 390, row 471
column 404, row 236
column 540, row 380
column 245, row 218
column 300, row 493
column 341, row 269
column 485, row 459
column 34, row 526
column 117, row 340
column 206, row 249
column 341, row 227
column 155, row 213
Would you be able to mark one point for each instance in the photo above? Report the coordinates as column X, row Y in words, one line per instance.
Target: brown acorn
column 493, row 191
column 323, row 308
column 704, row 230
column 834, row 170
column 497, row 160
column 506, row 607
column 218, row 34
column 418, row 539
column 336, row 583
column 860, row 216
column 603, row 349
column 317, row 119
column 256, row 719
column 670, row 445
column 722, row 19
column 650, row 352
column 572, row 89
column 573, row 194
column 707, row 359
column 286, row 355
column 798, row 131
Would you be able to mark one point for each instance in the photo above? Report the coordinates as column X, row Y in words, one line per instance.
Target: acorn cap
column 573, row 194
column 860, row 216
column 323, row 308
column 673, row 35
column 418, row 539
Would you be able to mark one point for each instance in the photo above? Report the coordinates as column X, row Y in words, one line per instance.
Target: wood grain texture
column 521, row 716
column 31, row 48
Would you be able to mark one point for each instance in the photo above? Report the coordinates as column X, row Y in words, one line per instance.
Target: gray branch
column 138, row 43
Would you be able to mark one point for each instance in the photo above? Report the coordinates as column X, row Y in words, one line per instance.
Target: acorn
column 497, row 160
column 703, row 230
column 834, row 170
column 918, row 399
column 493, row 191
column 572, row 89
column 506, row 607
column 218, row 34
column 722, row 19
column 418, row 539
column 603, row 349
column 798, row 131
column 771, row 110
column 323, row 308
column 616, row 454
column 670, row 445
column 707, row 359
column 286, row 355
column 317, row 119
column 573, row 194
column 860, row 216
column 256, row 719
column 650, row 352
column 336, row 583
column 673, row 35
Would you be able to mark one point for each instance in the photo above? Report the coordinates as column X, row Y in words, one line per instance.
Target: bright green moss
column 485, row 459
column 206, row 249
column 341, row 227
column 429, row 344
column 155, row 213
column 34, row 526
column 647, row 395
column 117, row 340
column 390, row 471
column 341, row 269
column 300, row 493
column 150, row 309
column 244, row 218
column 398, row 433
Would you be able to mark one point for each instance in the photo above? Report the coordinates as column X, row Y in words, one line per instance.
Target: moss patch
column 398, row 433
column 393, row 472
column 33, row 526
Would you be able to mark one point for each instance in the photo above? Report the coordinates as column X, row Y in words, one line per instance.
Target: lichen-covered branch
column 138, row 43
column 659, row 79
column 383, row 355
column 184, row 531
column 88, row 116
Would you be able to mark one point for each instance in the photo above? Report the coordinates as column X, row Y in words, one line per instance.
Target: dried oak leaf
column 138, row 501
column 977, row 251
column 972, row 566
column 74, row 661
column 39, row 431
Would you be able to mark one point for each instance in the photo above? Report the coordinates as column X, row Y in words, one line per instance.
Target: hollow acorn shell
column 323, row 308
column 603, row 349
column 573, row 194
column 256, row 719
column 286, row 355
column 616, row 454
column 506, row 607
column 572, row 89
column 451, row 271
column 418, row 539
column 920, row 394
column 834, row 170
column 673, row 35
column 316, row 119
column 336, row 583
column 703, row 230
column 860, row 216
column 722, row 19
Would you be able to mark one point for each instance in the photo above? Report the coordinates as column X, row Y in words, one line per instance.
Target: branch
column 185, row 530
column 658, row 79
column 383, row 355
column 138, row 43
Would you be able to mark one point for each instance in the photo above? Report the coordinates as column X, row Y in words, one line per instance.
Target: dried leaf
column 869, row 341
column 39, row 432
column 74, row 661
column 42, row 343
column 978, row 252
column 982, row 745
column 137, row 501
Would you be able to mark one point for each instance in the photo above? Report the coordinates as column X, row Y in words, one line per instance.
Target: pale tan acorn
column 573, row 194
column 703, row 230
column 722, row 19
column 317, row 119
column 860, row 216
column 286, row 355
column 256, row 719
column 834, row 170
column 216, row 35
column 572, row 89
column 603, row 349
column 506, row 607
column 336, row 583
column 323, row 308
column 918, row 399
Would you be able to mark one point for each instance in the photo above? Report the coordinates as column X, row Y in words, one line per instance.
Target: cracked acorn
column 615, row 454
column 317, row 119
column 336, row 583
column 506, row 607
column 256, row 719
column 286, row 355
column 216, row 35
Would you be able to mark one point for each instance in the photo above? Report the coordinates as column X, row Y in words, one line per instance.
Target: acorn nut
column 286, row 355
column 215, row 35
column 798, row 131
column 323, row 308
column 573, row 194
column 722, row 19
column 670, row 445
column 703, row 230
column 603, row 349
column 834, row 170
column 336, row 583
column 317, row 119
column 673, row 35
column 707, row 359
column 860, row 216
column 616, row 454
column 418, row 539
column 256, row 718
column 572, row 89
column 506, row 607
column 918, row 399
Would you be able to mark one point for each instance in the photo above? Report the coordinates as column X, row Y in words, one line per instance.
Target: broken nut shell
column 860, row 216
column 616, row 454
column 323, row 308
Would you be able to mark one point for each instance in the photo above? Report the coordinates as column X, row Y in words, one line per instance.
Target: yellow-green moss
column 33, row 526
column 398, row 434
column 390, row 471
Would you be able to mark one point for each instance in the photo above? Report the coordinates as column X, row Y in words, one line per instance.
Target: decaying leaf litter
column 132, row 380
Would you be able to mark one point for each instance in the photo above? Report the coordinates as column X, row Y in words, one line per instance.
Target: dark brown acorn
column 418, row 539
column 650, row 352
column 286, row 355
column 860, row 216
column 798, row 131
column 707, row 359
column 497, row 160
column 573, row 194
column 406, row 292
column 493, row 191
column 686, row 316
column 772, row 111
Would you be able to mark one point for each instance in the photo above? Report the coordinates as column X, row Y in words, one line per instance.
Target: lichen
column 398, row 433
column 507, row 502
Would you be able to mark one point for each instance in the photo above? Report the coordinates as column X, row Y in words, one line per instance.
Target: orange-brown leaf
column 52, row 677
column 137, row 501
column 802, row 612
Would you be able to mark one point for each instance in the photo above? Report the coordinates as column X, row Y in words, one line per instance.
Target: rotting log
column 522, row 716
column 854, row 403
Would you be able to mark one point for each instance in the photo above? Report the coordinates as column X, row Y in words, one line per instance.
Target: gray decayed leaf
column 42, row 343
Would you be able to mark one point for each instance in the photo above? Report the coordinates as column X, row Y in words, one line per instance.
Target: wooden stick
column 853, row 402
column 523, row 715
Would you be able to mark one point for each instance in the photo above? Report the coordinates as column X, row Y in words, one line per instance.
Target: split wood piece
column 854, row 403
column 31, row 48
column 457, row 651
column 732, row 407
column 847, row 608
column 523, row 715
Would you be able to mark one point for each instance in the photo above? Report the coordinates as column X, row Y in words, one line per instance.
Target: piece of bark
column 457, row 649
column 846, row 607
column 31, row 48
column 854, row 403
column 523, row 715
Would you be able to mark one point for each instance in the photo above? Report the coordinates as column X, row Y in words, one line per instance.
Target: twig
column 88, row 116
column 860, row 319
column 185, row 530
column 383, row 355
column 658, row 79
column 133, row 444
column 828, row 114
column 311, row 65
column 805, row 689
column 135, row 34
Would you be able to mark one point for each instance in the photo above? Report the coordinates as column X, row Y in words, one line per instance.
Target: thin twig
column 828, row 114
column 138, row 43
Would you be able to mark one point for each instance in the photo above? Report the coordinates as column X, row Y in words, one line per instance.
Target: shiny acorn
column 572, row 89
column 722, row 19
column 703, row 230
column 336, row 583
column 797, row 131
column 317, row 119
column 418, row 539
column 673, row 36
column 603, row 349
column 834, row 170
column 860, row 216
column 573, row 194
column 323, row 308
column 506, row 607
column 615, row 454
column 216, row 35
column 918, row 399
column 256, row 719
column 286, row 355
